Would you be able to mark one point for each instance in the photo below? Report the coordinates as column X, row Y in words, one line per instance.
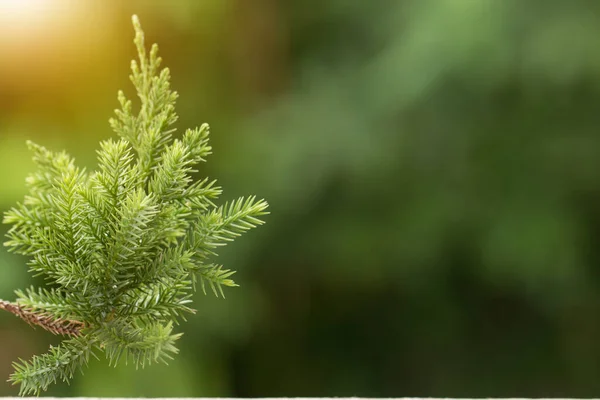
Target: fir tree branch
column 217, row 277
column 59, row 304
column 58, row 364
column 143, row 345
column 123, row 246
column 159, row 301
column 222, row 225
column 34, row 318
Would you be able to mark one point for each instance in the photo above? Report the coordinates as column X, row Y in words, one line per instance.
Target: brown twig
column 34, row 318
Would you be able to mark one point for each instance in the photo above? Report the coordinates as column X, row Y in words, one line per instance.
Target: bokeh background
column 433, row 171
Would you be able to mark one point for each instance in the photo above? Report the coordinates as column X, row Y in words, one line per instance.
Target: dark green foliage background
column 433, row 174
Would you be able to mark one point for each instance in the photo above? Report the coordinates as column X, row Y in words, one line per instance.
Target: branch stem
column 34, row 318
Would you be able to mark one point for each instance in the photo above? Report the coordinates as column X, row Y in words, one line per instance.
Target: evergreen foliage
column 122, row 248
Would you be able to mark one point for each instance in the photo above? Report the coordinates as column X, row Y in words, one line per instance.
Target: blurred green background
column 433, row 171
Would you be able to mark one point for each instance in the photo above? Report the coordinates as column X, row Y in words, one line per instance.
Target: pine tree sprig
column 58, row 364
column 144, row 345
column 217, row 277
column 53, row 301
column 122, row 247
column 35, row 317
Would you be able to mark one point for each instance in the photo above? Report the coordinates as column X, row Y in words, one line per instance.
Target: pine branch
column 122, row 247
column 59, row 364
column 160, row 301
column 217, row 277
column 222, row 225
column 143, row 345
column 34, row 318
column 114, row 180
column 55, row 302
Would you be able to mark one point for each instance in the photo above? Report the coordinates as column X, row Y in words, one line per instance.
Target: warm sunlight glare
column 19, row 6
column 15, row 13
column 43, row 42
